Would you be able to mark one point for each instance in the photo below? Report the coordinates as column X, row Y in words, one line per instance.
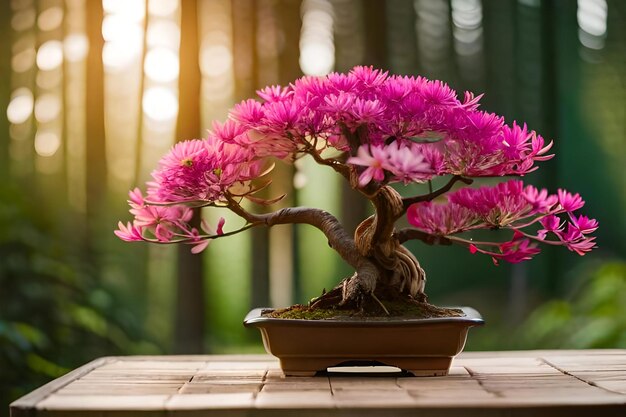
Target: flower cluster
column 164, row 224
column 202, row 170
column 398, row 162
column 509, row 205
column 381, row 129
column 367, row 111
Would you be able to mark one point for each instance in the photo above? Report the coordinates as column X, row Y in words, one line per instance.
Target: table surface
column 537, row 383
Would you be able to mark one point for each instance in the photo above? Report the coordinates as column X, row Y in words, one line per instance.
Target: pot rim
column 255, row 319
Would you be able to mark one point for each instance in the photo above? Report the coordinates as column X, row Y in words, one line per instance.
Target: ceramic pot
column 423, row 347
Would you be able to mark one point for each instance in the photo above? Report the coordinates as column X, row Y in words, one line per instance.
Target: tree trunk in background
column 189, row 325
column 142, row 82
column 290, row 21
column 245, row 53
column 354, row 208
column 5, row 88
column 401, row 38
column 95, row 151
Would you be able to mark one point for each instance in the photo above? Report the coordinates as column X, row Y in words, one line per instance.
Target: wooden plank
column 573, row 383
column 25, row 406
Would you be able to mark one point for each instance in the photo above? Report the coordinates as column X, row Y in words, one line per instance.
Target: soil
column 404, row 309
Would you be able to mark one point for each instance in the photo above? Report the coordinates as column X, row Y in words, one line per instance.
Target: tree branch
column 333, row 163
column 404, row 235
column 338, row 238
column 407, row 201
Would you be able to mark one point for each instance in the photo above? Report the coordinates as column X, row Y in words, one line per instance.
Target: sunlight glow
column 592, row 16
column 122, row 31
column 50, row 19
column 216, row 60
column 50, row 55
column 163, row 33
column 131, row 9
column 118, row 55
column 75, row 47
column 119, row 28
column 23, row 60
column 317, row 49
column 161, row 65
column 467, row 18
column 47, row 143
column 47, row 107
column 160, row 104
column 24, row 19
column 47, row 80
column 162, row 8
column 21, row 106
column 592, row 22
column 433, row 40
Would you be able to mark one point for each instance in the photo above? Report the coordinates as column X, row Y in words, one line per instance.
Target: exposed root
column 385, row 270
column 403, row 307
column 328, row 300
column 380, row 304
column 409, row 273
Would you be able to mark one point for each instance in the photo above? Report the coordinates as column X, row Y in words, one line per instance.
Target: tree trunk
column 5, row 86
column 289, row 70
column 190, row 308
column 96, row 168
column 244, row 14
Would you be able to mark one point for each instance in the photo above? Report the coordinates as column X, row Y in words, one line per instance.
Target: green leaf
column 429, row 136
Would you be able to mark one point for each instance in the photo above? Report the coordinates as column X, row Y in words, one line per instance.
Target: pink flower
column 576, row 241
column 470, row 101
column 438, row 93
column 339, row 103
column 550, row 223
column 540, row 200
column 584, row 224
column 248, row 112
column 570, row 202
column 136, row 197
column 184, row 154
column 369, row 76
column 366, row 111
column 228, row 131
column 582, row 246
column 342, row 82
column 433, row 156
column 407, row 163
column 402, row 128
column 396, row 89
column 219, row 229
column 200, row 243
column 440, row 219
column 515, row 140
column 517, row 250
column 128, row 232
column 200, row 246
column 538, row 150
column 374, row 163
column 498, row 206
column 275, row 93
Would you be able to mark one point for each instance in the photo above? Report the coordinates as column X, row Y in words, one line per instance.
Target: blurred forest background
column 93, row 93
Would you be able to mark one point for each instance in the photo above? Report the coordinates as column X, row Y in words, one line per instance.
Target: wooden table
column 529, row 383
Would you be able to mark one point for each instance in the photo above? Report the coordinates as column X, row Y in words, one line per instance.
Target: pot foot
column 418, row 366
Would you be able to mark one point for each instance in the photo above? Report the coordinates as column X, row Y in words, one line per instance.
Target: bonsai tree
column 374, row 130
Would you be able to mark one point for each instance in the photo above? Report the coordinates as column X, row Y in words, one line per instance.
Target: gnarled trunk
column 391, row 270
column 384, row 269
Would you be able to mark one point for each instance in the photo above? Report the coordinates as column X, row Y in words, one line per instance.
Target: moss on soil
column 397, row 309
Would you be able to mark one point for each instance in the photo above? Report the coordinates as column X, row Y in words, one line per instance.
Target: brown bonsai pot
column 423, row 347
